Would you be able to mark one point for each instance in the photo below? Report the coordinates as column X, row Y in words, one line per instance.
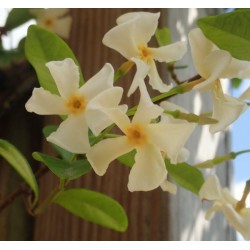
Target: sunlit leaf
column 229, row 31
column 17, row 17
column 186, row 176
column 42, row 46
column 163, row 36
column 94, row 207
column 14, row 157
column 62, row 168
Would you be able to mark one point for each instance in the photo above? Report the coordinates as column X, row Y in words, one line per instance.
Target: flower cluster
column 55, row 20
column 153, row 133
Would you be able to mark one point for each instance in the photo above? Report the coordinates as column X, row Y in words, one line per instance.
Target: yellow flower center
column 145, row 53
column 136, row 134
column 76, row 104
column 48, row 22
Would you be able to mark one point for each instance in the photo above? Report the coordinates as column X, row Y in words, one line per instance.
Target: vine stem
column 38, row 210
column 217, row 160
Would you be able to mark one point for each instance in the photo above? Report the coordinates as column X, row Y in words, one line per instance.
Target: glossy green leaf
column 128, row 159
column 62, row 168
column 229, row 31
column 17, row 17
column 94, row 207
column 66, row 155
column 42, row 46
column 163, row 36
column 186, row 176
column 14, row 157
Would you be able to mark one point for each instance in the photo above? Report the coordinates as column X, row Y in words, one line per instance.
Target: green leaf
column 42, row 46
column 236, row 82
column 17, row 17
column 186, row 176
column 128, row 159
column 12, row 155
column 66, row 155
column 163, row 36
column 62, row 168
column 8, row 56
column 94, row 207
column 229, row 31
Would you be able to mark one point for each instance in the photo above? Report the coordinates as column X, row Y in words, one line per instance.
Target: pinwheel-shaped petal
column 82, row 105
column 130, row 38
column 54, row 20
column 224, row 202
column 150, row 140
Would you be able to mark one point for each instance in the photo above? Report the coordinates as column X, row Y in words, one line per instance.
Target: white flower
column 224, row 202
column 226, row 109
column 148, row 139
column 245, row 94
column 54, row 20
column 76, row 102
column 183, row 153
column 130, row 38
column 212, row 64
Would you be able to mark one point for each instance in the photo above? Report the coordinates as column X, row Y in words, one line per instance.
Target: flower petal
column 211, row 189
column 121, row 39
column 155, row 80
column 168, row 186
column 201, row 47
column 104, row 152
column 146, row 110
column 99, row 82
column 42, row 102
column 237, row 69
column 149, row 170
column 214, row 64
column 66, row 75
column 72, row 135
column 170, row 138
column 170, row 53
column 145, row 25
column 226, row 109
column 246, row 94
column 142, row 69
column 62, row 26
column 53, row 12
column 97, row 119
column 118, row 117
column 240, row 222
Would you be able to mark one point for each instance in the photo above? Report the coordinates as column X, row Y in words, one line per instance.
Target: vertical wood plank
column 147, row 212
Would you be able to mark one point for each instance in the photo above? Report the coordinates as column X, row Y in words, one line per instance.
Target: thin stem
column 38, row 210
column 217, row 160
column 242, row 203
column 171, row 69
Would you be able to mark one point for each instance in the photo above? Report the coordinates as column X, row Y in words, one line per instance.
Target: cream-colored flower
column 149, row 140
column 226, row 109
column 245, row 94
column 130, row 38
column 213, row 64
column 78, row 103
column 54, row 20
column 224, row 202
column 183, row 153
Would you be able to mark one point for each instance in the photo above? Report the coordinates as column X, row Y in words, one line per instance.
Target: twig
column 22, row 189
